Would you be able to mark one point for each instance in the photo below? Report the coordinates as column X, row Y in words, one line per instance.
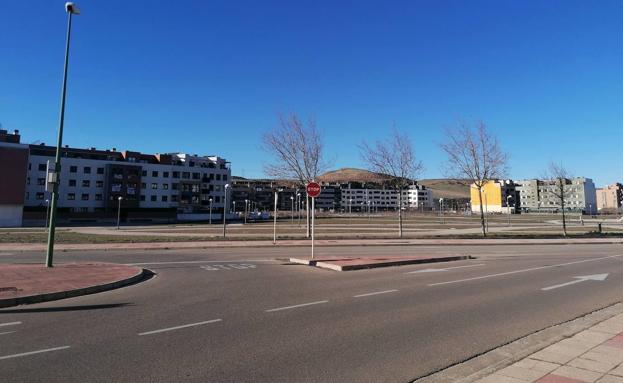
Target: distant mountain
column 447, row 188
column 352, row 175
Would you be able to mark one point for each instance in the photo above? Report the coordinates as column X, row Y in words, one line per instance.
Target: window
column 154, row 185
column 73, row 169
column 218, row 177
column 196, row 176
column 99, row 184
column 71, row 196
column 174, row 198
column 85, row 197
column 217, row 199
column 98, row 197
column 42, row 167
column 164, row 198
column 100, row 170
column 224, row 177
column 28, row 181
column 175, row 186
column 185, row 175
column 176, row 174
column 154, row 173
column 86, row 183
column 72, row 182
column 165, row 174
column 144, row 173
column 165, row 186
column 39, row 196
column 29, row 166
column 154, row 198
column 142, row 197
column 143, row 185
column 87, row 170
column 40, row 181
column 211, row 176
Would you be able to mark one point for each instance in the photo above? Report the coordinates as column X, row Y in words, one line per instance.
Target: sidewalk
column 12, row 247
column 593, row 355
column 33, row 283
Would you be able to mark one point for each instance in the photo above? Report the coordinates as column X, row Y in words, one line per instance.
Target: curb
column 330, row 266
column 39, row 298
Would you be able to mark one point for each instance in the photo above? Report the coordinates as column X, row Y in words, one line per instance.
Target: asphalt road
column 240, row 315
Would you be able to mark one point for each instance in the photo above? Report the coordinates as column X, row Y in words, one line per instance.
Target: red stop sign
column 313, row 189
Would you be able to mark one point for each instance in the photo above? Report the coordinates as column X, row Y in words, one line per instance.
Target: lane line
column 524, row 270
column 7, row 332
column 192, row 262
column 374, row 293
column 445, row 268
column 33, row 352
column 179, row 327
column 295, row 306
column 9, row 324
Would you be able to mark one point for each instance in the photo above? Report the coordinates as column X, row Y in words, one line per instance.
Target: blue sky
column 209, row 77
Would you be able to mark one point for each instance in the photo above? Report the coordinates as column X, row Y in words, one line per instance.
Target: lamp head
column 72, row 8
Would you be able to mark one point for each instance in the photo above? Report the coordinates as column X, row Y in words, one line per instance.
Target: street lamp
column 298, row 205
column 71, row 10
column 441, row 211
column 246, row 210
column 225, row 211
column 508, row 206
column 47, row 210
column 119, row 211
column 210, row 210
column 292, row 200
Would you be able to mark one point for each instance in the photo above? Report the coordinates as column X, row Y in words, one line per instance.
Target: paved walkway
column 593, row 355
column 31, row 283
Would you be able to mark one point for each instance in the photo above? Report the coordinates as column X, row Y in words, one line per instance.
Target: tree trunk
column 400, row 212
column 482, row 213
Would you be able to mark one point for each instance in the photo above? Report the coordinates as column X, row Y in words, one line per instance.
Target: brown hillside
column 447, row 188
column 351, row 175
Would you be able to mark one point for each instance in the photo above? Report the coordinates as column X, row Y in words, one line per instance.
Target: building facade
column 609, row 198
column 543, row 195
column 361, row 197
column 498, row 196
column 94, row 183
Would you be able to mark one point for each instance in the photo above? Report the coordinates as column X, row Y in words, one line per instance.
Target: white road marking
column 583, row 278
column 192, row 262
column 295, row 306
column 179, row 327
column 228, row 266
column 444, row 269
column 33, row 352
column 524, row 270
column 7, row 332
column 9, row 324
column 374, row 293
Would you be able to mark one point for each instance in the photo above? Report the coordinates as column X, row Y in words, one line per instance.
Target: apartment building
column 542, row 195
column 498, row 196
column 358, row 197
column 93, row 183
column 609, row 198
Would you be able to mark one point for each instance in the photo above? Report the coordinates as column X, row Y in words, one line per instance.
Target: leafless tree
column 475, row 155
column 298, row 152
column 395, row 159
column 558, row 178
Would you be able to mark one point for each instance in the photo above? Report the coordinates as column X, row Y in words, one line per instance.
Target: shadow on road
column 66, row 308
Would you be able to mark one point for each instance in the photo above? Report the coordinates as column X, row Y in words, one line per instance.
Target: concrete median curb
column 53, row 296
column 335, row 264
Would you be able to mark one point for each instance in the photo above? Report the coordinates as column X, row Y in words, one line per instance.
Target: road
column 242, row 315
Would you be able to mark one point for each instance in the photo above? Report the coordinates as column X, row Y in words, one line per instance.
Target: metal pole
column 47, row 212
column 225, row 214
column 210, row 211
column 312, row 223
column 275, row 222
column 57, row 161
column 246, row 210
column 119, row 213
column 292, row 215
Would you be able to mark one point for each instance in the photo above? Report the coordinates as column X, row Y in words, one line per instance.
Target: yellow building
column 498, row 196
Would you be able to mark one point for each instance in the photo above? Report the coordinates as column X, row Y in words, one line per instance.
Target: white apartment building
column 541, row 195
column 357, row 199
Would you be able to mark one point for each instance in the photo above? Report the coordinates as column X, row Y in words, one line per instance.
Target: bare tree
column 475, row 155
column 298, row 152
column 558, row 178
column 395, row 159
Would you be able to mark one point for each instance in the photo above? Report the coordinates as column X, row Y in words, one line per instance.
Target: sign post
column 313, row 191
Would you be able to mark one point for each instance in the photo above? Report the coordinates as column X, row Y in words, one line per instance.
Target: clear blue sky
column 208, row 77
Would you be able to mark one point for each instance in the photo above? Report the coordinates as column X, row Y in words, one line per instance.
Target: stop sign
column 313, row 189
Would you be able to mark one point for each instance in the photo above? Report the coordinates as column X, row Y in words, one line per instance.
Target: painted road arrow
column 445, row 269
column 583, row 278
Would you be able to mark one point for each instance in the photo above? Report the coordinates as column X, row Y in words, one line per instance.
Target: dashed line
column 179, row 327
column 33, row 352
column 9, row 324
column 193, row 262
column 295, row 306
column 7, row 332
column 374, row 293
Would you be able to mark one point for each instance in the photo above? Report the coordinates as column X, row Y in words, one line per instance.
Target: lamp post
column 119, row 211
column 292, row 200
column 246, row 210
column 275, row 220
column 441, row 211
column 225, row 207
column 486, row 212
column 210, row 210
column 47, row 211
column 298, row 205
column 508, row 206
column 71, row 10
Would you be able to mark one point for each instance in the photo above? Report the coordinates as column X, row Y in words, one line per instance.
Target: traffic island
column 35, row 283
column 358, row 263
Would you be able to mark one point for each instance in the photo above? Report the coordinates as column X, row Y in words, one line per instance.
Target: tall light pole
column 441, row 211
column 119, row 211
column 292, row 200
column 225, row 207
column 210, row 200
column 246, row 210
column 275, row 220
column 71, row 10
column 508, row 206
column 47, row 211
